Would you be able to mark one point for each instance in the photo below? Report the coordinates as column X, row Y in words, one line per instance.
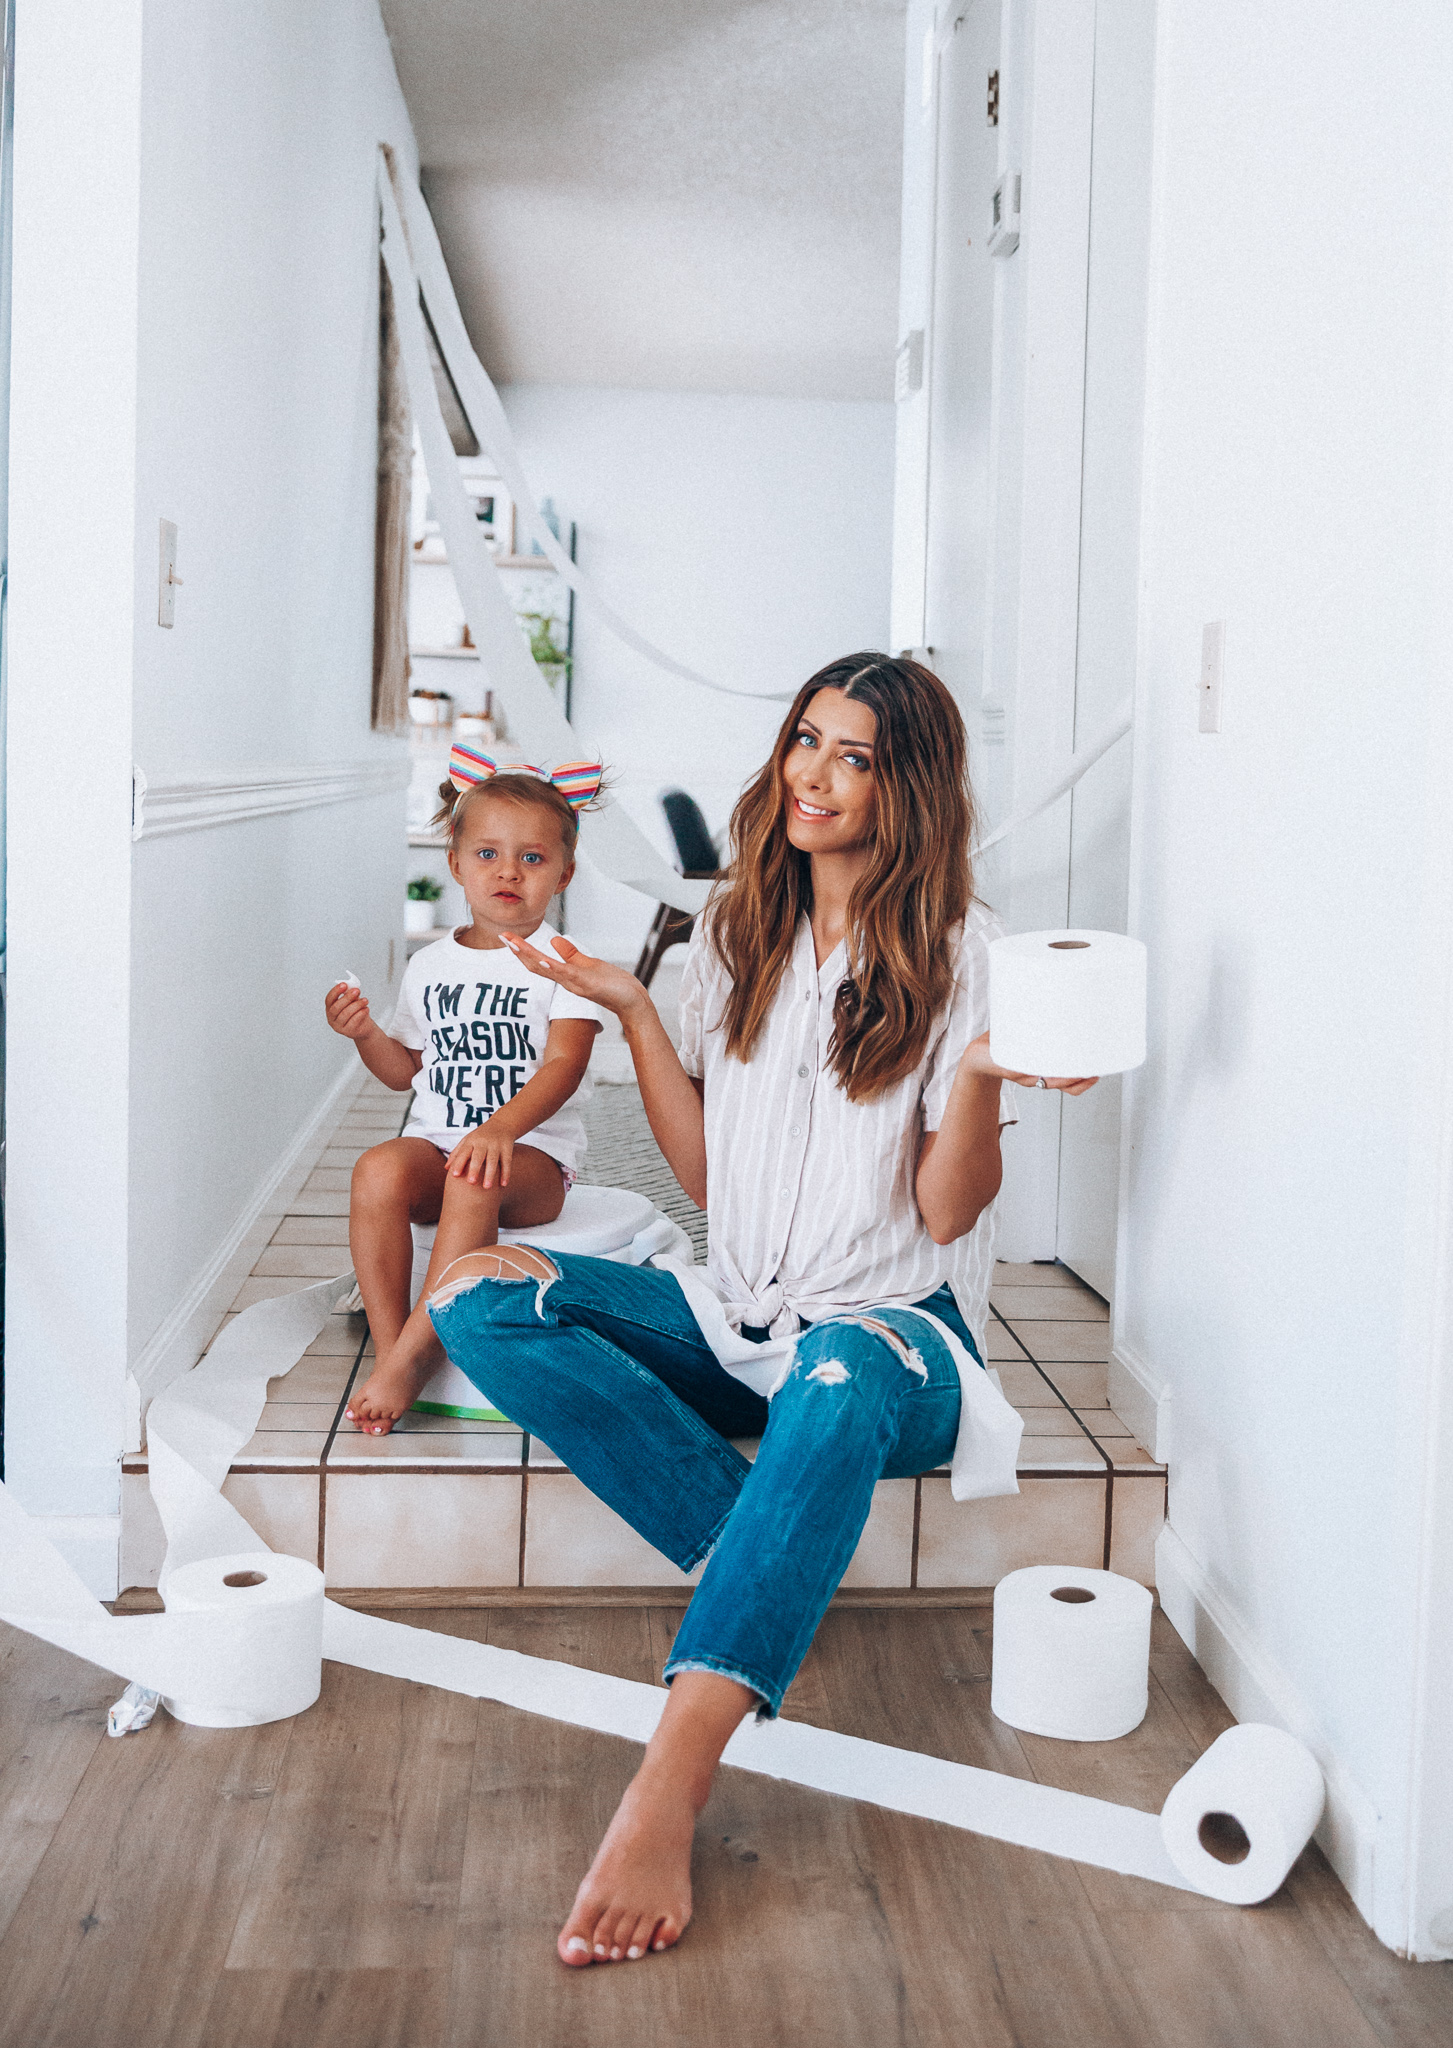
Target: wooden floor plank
column 52, row 1717
column 359, row 1864
column 1238, row 1977
column 329, row 2009
column 126, row 1921
column 390, row 1872
column 1407, row 2005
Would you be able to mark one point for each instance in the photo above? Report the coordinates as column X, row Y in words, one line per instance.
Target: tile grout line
column 524, row 1498
column 917, row 1525
column 328, row 1445
column 1109, row 1463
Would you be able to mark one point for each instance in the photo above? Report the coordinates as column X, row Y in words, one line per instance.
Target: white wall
column 1280, row 1241
column 749, row 537
column 195, row 338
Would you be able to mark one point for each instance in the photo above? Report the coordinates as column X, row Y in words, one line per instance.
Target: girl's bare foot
column 389, row 1392
column 637, row 1894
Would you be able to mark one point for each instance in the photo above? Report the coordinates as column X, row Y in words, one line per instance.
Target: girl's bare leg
column 394, row 1184
column 469, row 1217
column 636, row 1896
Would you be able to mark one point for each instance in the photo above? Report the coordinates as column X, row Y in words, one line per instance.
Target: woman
column 834, row 1091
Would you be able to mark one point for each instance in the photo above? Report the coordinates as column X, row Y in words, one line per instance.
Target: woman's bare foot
column 637, row 1893
column 389, row 1392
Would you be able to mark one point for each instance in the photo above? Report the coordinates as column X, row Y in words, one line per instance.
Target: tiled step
column 441, row 1502
column 445, row 1503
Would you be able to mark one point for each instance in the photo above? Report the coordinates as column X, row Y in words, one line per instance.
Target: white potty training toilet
column 602, row 1223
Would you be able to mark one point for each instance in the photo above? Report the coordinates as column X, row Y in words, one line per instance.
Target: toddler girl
column 495, row 1055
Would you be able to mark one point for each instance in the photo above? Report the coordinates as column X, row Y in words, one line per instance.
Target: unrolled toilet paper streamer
column 1071, row 1652
column 1067, row 1003
column 195, row 1429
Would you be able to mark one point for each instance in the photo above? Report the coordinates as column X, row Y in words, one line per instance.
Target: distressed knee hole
column 831, row 1373
column 513, row 1264
column 912, row 1358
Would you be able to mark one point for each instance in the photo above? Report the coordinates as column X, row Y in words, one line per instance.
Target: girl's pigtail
column 448, row 803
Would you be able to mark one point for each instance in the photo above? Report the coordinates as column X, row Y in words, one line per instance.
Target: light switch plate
column 167, row 577
column 1213, row 657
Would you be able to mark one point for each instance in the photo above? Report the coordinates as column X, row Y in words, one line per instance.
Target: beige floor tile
column 573, row 1539
column 884, row 1556
column 301, row 1261
column 281, row 1506
column 1002, row 1343
column 1024, row 1387
column 1036, row 1275
column 399, row 1528
column 312, row 1230
column 1055, row 1421
column 1059, row 1451
column 319, row 1202
column 1137, row 1513
column 1083, row 1386
column 542, row 1458
column 313, row 1418
column 1061, row 1343
column 1104, row 1423
column 1049, row 1304
column 341, row 1156
column 312, row 1380
column 1127, row 1452
column 340, row 1337
column 428, row 1440
column 328, row 1180
column 283, row 1447
column 974, row 1543
column 269, row 1289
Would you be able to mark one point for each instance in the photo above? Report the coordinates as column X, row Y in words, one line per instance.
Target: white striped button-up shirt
column 811, row 1208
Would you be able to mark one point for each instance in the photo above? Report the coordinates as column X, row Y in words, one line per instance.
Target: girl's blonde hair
column 510, row 788
column 905, row 908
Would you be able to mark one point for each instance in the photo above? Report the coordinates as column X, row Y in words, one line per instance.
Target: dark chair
column 696, row 858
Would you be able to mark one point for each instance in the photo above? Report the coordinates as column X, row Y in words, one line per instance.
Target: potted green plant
column 424, row 893
column 552, row 660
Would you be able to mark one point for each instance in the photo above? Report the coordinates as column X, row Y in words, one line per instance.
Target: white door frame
column 1047, row 51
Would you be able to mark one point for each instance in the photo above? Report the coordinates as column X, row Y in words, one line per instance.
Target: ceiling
column 695, row 195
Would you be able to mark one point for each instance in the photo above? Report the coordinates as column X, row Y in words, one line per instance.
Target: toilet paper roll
column 1071, row 1652
column 1235, row 1824
column 1067, row 1003
column 268, row 1662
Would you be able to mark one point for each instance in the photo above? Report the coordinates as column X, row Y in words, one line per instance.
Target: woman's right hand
column 597, row 981
column 346, row 1007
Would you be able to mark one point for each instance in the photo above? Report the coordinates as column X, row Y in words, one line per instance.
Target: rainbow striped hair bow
column 577, row 781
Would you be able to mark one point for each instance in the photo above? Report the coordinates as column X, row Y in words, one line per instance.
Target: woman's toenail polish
column 576, row 1945
column 599, row 1950
column 615, row 1955
column 634, row 1954
column 660, row 1944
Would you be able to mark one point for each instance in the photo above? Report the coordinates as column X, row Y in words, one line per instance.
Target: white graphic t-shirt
column 480, row 1019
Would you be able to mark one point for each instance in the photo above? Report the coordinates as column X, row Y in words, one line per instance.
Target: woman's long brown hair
column 904, row 909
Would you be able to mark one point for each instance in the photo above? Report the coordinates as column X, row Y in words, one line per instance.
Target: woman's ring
column 1040, row 1081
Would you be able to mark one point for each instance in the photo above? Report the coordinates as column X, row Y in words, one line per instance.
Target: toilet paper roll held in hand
column 1067, row 1004
column 268, row 1661
column 1071, row 1652
column 1235, row 1824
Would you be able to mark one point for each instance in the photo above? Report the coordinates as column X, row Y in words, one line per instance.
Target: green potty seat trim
column 463, row 1414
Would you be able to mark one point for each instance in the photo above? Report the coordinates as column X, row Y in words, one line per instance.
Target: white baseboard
column 182, row 1336
column 1141, row 1400
column 1256, row 1689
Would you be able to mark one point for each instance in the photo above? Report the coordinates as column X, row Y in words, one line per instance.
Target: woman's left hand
column 976, row 1060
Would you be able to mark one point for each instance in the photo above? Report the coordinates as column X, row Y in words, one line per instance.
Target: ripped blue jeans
column 606, row 1363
